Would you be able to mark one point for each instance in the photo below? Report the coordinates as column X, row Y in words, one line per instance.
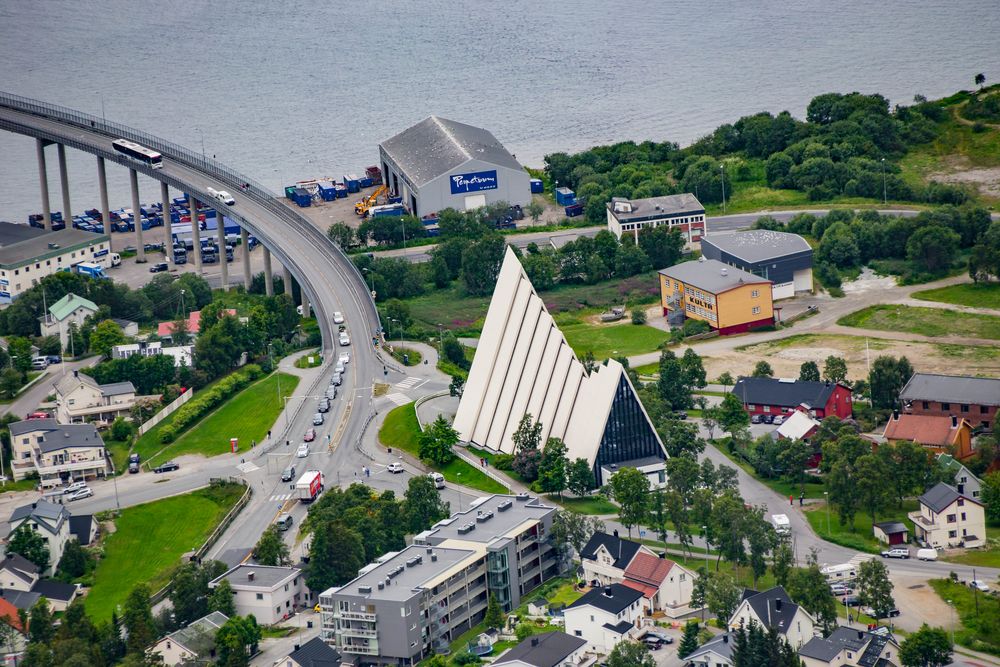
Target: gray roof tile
column 316, row 653
column 712, row 275
column 951, row 389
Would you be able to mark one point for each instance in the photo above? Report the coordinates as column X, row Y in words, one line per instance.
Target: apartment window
column 946, row 406
column 961, row 502
column 963, row 516
column 756, row 310
column 975, row 494
column 952, row 533
column 677, row 285
column 591, row 618
column 965, row 408
column 286, row 588
column 260, row 596
column 683, row 577
column 983, row 409
column 963, row 480
column 751, row 407
column 767, row 408
column 951, row 518
column 578, row 633
column 754, row 294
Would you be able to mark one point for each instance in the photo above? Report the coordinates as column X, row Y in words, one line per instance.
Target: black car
column 166, row 467
column 180, row 259
column 133, row 463
column 157, row 268
column 54, row 359
column 680, row 414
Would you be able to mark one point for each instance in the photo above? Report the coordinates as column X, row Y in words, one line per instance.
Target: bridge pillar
column 268, row 278
column 245, row 245
column 168, row 225
column 287, row 280
column 140, row 248
column 221, row 236
column 195, row 233
column 64, row 180
column 102, row 185
column 305, row 302
column 43, row 179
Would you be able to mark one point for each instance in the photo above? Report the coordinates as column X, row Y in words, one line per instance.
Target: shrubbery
column 208, row 400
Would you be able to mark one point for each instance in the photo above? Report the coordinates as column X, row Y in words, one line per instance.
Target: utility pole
column 722, row 172
column 885, row 195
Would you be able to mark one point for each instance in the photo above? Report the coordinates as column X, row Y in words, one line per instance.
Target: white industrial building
column 439, row 164
column 28, row 254
column 682, row 212
column 523, row 365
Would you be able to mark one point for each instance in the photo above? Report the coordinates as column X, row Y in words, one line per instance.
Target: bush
column 503, row 461
column 206, row 401
column 638, row 316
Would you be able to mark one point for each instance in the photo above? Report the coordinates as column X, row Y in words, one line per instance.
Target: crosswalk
column 248, row 466
column 280, row 497
column 410, row 383
column 398, row 398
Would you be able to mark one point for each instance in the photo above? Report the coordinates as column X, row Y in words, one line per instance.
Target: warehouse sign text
column 480, row 180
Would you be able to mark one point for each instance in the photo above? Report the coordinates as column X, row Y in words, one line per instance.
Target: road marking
column 398, row 399
column 408, row 382
column 280, row 497
column 249, row 466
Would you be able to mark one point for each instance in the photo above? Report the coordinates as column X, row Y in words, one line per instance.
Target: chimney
column 76, row 374
column 725, row 638
column 895, row 415
column 607, row 592
column 725, row 271
column 534, row 641
column 954, row 421
column 296, row 647
column 616, row 532
column 861, row 635
column 250, row 575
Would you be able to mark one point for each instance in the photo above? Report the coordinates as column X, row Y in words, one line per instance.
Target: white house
column 716, row 652
column 682, row 212
column 57, row 453
column 773, row 608
column 850, row 647
column 270, row 593
column 183, row 355
column 605, row 616
column 549, row 649
column 665, row 585
column 192, row 644
column 314, row 653
column 79, row 398
column 71, row 309
column 948, row 518
column 50, row 521
column 17, row 573
column 605, row 558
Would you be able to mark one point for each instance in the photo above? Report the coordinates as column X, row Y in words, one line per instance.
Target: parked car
column 75, row 486
column 979, row 585
column 662, row 636
column 310, row 435
column 338, row 317
column 337, row 379
column 158, row 267
column 133, row 463
column 54, row 359
column 754, row 419
column 896, row 552
column 345, row 358
column 840, row 589
column 395, row 467
column 180, row 259
column 927, row 554
column 166, row 467
column 318, row 419
column 778, row 420
column 85, row 492
column 339, row 368
column 652, row 643
column 851, row 600
column 303, row 451
column 765, row 419
column 39, row 363
column 868, row 611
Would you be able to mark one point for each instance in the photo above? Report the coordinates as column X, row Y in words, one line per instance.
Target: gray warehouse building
column 439, row 164
column 784, row 259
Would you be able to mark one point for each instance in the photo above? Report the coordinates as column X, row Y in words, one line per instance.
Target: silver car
column 318, row 419
column 337, row 379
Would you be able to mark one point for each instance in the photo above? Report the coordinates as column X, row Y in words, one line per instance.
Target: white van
column 840, row 573
column 781, row 524
column 438, row 479
column 927, row 554
column 116, row 259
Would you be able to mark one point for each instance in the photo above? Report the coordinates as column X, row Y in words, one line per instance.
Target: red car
column 310, row 435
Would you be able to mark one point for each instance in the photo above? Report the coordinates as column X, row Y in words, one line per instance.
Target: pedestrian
column 268, row 434
column 368, row 472
column 253, row 443
column 288, row 443
column 802, row 498
column 791, row 501
column 355, row 474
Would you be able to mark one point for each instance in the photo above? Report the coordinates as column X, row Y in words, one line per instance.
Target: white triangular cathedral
column 523, row 364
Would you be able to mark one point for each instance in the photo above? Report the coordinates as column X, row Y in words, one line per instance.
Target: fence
column 166, row 411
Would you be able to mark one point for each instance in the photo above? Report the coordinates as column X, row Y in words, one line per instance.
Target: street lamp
column 202, row 134
column 826, row 500
column 393, row 319
column 704, row 532
column 440, row 339
column 885, row 197
column 270, row 358
column 722, row 172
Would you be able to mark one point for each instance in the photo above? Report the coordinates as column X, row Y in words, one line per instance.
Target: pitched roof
column 853, row 640
column 198, row 636
column 621, row 550
column 621, row 627
column 797, row 426
column 648, row 569
column 613, row 599
column 923, row 429
column 45, row 513
column 647, row 590
column 758, row 245
column 8, row 611
column 941, row 496
column 58, row 436
column 435, row 146
column 65, row 306
column 892, row 527
column 193, row 323
column 712, row 275
column 948, row 462
column 315, row 653
column 80, row 526
column 782, row 392
column 774, row 608
column 20, row 567
column 20, row 599
column 54, row 590
column 117, row 388
column 548, row 649
column 951, row 389
column 720, row 645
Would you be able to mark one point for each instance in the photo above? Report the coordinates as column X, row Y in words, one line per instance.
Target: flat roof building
column 28, row 254
column 440, row 163
column 682, row 212
column 728, row 299
column 971, row 398
column 784, row 259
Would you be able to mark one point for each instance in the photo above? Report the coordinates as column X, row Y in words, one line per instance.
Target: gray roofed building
column 549, row 649
column 774, row 609
column 711, row 275
column 622, row 550
column 60, row 594
column 20, row 599
column 314, row 653
column 82, row 527
column 270, row 592
column 865, row 648
column 116, row 388
column 758, row 245
column 58, row 436
column 28, row 254
column 396, row 577
column 25, row 572
column 951, row 388
column 658, row 207
column 613, row 599
column 49, row 515
column 79, row 397
column 192, row 644
column 502, row 514
column 708, row 654
column 941, row 496
column 57, row 452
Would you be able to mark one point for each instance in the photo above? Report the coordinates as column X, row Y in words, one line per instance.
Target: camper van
column 840, row 573
column 781, row 524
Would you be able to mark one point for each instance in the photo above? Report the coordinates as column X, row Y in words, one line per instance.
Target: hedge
column 208, row 400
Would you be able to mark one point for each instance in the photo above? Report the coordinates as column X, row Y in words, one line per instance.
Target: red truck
column 309, row 486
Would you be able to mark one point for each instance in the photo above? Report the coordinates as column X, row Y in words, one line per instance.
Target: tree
column 571, row 531
column 699, row 591
column 335, row 555
column 630, row 654
column 527, row 438
column 680, row 438
column 980, row 79
column 494, row 614
column 579, row 477
column 694, row 370
column 913, row 468
column 927, row 647
column 674, row 383
column 782, row 559
column 834, row 369
column 722, row 596
column 874, row 588
column 726, row 380
column 689, row 642
column 221, row 599
column 991, row 496
column 237, row 640
column 759, row 647
column 761, row 538
column 271, row 549
column 729, row 526
column 534, row 210
column 40, row 628
column 436, row 442
column 630, row 489
column 794, row 458
column 74, row 560
column 933, row 248
column 762, row 370
column 19, row 349
column 809, row 372
column 808, row 587
column 341, row 234
column 105, row 336
column 732, row 414
column 886, row 378
column 552, row 467
column 31, row 545
column 481, row 263
column 138, row 619
column 10, row 382
column 870, row 476
column 422, row 504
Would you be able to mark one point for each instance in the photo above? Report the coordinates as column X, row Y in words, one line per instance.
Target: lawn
column 248, row 416
column 989, row 557
column 862, row 538
column 596, row 505
column 813, row 488
column 310, row 360
column 149, row 540
column 648, row 369
column 980, row 631
column 118, row 449
column 614, row 340
column 401, row 430
column 931, row 322
column 412, row 357
column 449, row 368
column 976, row 295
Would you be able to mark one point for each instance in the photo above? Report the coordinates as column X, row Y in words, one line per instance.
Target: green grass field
column 303, row 361
column 976, row 295
column 596, row 505
column 449, row 368
column 413, row 357
column 813, row 488
column 980, row 631
column 149, row 540
column 862, row 538
column 608, row 341
column 931, row 322
column 248, row 415
column 400, row 430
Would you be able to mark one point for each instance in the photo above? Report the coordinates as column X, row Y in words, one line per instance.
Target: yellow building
column 730, row 300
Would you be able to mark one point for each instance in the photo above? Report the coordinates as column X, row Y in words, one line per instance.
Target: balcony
column 357, row 632
column 70, row 467
column 919, row 519
column 355, row 616
column 359, row 650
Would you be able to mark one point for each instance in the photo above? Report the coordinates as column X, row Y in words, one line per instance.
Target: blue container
column 365, row 182
column 565, row 196
column 537, row 186
column 302, row 197
column 341, row 190
column 327, row 191
column 574, row 210
column 351, row 181
column 180, row 201
column 398, row 199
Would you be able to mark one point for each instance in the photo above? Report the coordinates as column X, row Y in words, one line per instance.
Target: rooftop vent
column 725, row 271
column 53, row 246
column 364, row 589
column 522, row 497
column 484, row 517
column 607, row 592
column 251, row 575
column 429, row 550
column 467, row 528
column 413, row 561
column 505, row 505
column 434, row 558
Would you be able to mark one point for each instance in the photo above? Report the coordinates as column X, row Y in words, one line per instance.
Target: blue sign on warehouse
column 480, row 180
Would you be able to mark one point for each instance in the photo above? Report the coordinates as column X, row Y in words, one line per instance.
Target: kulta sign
column 480, row 180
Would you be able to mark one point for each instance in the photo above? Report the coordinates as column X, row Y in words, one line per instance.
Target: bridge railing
column 258, row 191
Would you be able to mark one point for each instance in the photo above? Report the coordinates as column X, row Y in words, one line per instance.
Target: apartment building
column 59, row 453
column 682, row 212
column 948, row 519
column 80, row 398
column 48, row 520
column 727, row 298
column 410, row 604
column 270, row 593
column 971, row 398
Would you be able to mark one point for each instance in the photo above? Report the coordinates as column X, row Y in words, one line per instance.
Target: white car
column 345, row 340
column 75, row 486
column 303, row 451
column 222, row 196
column 345, row 358
column 338, row 318
column 395, row 467
column 337, row 379
column 339, row 368
column 85, row 492
column 979, row 585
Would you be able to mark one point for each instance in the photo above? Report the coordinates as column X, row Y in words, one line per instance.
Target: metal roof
column 653, row 208
column 712, row 275
column 613, row 599
column 951, row 389
column 892, row 527
column 22, row 248
column 315, row 653
column 43, row 512
column 775, row 391
column 199, row 636
column 774, row 608
column 65, row 306
column 941, row 496
column 758, row 245
column 435, row 146
column 548, row 649
column 491, row 518
column 623, row 551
